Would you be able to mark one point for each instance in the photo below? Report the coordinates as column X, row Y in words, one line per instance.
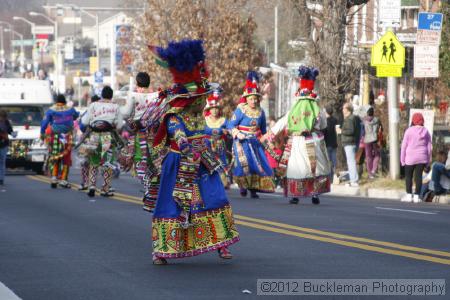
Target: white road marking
column 408, row 210
column 7, row 294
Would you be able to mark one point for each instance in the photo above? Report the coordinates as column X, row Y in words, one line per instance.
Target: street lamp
column 55, row 24
column 2, row 50
column 75, row 8
column 21, row 56
column 16, row 18
column 10, row 27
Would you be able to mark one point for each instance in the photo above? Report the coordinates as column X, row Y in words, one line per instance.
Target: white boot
column 416, row 198
column 407, row 198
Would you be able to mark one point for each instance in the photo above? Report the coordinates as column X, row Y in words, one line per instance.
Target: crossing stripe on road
column 313, row 234
column 407, row 210
column 6, row 293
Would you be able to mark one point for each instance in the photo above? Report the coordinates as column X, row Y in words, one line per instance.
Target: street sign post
column 389, row 12
column 16, row 43
column 388, row 51
column 98, row 77
column 42, row 30
column 429, row 28
column 68, row 51
column 430, row 21
column 426, row 61
column 93, row 64
column 388, row 56
column 388, row 71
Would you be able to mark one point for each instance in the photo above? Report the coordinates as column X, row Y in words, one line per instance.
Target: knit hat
column 417, row 119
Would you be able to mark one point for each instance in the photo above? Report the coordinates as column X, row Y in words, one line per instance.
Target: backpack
column 371, row 131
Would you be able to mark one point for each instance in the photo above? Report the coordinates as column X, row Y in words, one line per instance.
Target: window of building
column 415, row 16
column 404, row 18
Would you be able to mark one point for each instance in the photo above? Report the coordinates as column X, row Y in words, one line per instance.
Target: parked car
column 25, row 101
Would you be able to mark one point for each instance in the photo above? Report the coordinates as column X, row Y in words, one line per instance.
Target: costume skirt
column 192, row 214
column 305, row 166
column 251, row 169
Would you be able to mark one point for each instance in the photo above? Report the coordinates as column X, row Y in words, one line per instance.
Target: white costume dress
column 304, row 162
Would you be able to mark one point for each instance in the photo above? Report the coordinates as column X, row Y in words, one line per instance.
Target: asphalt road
column 59, row 244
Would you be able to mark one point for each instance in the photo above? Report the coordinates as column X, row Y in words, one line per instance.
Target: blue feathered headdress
column 253, row 76
column 308, row 73
column 186, row 61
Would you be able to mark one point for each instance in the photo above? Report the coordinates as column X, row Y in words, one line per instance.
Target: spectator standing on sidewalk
column 350, row 136
column 415, row 155
column 372, row 126
column 330, row 137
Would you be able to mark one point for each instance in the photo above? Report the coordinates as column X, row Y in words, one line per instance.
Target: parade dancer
column 304, row 162
column 217, row 133
column 192, row 214
column 137, row 152
column 103, row 118
column 251, row 169
column 57, row 130
column 82, row 154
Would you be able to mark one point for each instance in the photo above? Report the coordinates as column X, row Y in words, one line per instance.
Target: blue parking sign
column 98, row 76
column 430, row 21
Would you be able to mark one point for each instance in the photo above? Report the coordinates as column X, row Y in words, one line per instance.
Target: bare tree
column 339, row 66
column 227, row 32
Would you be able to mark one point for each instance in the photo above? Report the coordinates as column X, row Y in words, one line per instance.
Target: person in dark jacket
column 331, row 139
column 350, row 135
column 5, row 130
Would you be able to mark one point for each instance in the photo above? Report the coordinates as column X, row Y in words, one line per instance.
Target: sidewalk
column 341, row 190
column 372, row 192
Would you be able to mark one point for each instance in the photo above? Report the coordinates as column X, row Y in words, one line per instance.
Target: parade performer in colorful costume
column 217, row 133
column 251, row 169
column 192, row 214
column 84, row 160
column 304, row 163
column 101, row 140
column 138, row 148
column 57, row 129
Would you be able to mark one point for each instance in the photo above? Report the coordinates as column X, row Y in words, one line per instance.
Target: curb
column 376, row 193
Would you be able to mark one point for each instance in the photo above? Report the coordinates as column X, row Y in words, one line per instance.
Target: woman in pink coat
column 415, row 155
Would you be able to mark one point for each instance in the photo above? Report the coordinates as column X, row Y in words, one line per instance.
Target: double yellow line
column 435, row 256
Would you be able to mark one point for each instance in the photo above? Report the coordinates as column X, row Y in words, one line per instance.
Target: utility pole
column 275, row 60
column 2, row 51
column 394, row 118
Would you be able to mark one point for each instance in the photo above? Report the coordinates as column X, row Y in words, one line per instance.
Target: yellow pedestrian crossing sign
column 388, row 51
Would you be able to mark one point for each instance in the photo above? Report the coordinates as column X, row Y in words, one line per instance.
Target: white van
column 25, row 101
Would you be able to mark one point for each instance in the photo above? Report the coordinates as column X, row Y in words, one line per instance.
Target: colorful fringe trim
column 210, row 231
column 307, row 186
column 262, row 184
